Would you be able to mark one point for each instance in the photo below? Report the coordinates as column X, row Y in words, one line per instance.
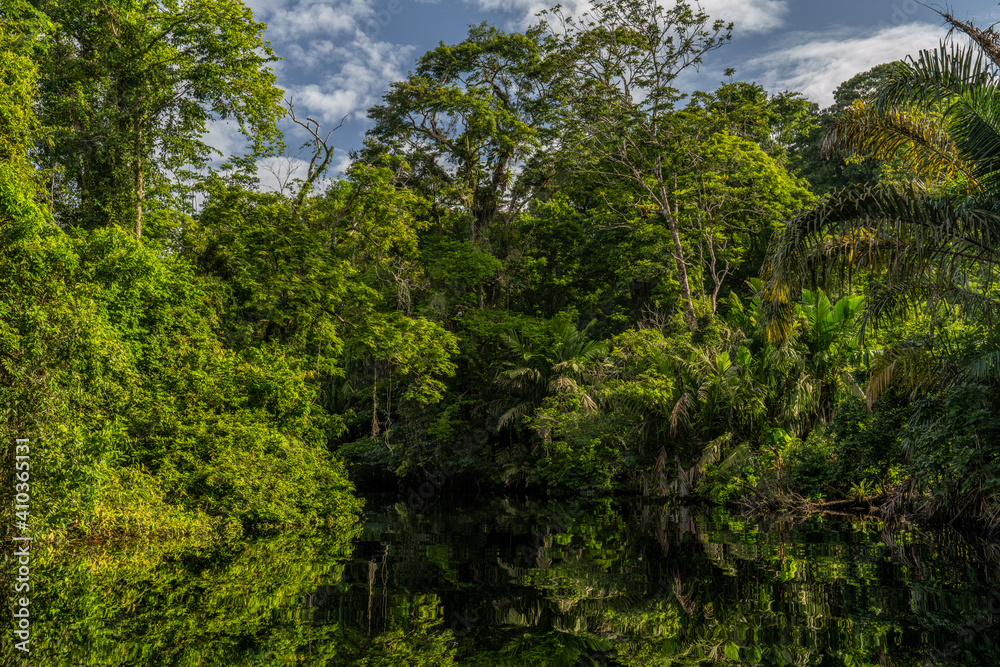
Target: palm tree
column 535, row 374
column 933, row 240
column 567, row 364
column 932, row 243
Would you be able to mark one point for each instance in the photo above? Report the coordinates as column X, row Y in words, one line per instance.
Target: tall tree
column 18, row 74
column 728, row 205
column 779, row 123
column 623, row 59
column 473, row 120
column 127, row 90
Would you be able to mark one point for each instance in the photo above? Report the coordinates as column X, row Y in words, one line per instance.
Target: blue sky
column 338, row 56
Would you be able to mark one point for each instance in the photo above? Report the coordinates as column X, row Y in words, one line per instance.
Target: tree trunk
column 139, row 185
column 682, row 275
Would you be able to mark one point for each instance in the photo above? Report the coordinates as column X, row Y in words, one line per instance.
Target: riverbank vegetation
column 547, row 269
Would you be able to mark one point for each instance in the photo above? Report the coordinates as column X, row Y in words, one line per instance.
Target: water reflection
column 535, row 583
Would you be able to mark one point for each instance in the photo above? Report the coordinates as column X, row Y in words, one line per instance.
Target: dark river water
column 506, row 581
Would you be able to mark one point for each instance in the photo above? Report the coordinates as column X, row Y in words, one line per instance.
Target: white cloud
column 340, row 164
column 335, row 60
column 365, row 71
column 225, row 136
column 748, row 15
column 526, row 9
column 816, row 63
column 264, row 8
column 291, row 21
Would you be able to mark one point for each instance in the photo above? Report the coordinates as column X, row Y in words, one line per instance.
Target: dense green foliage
column 548, row 267
column 924, row 239
column 549, row 270
column 125, row 91
column 141, row 418
column 188, row 602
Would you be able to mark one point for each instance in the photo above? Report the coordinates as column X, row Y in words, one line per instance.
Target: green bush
column 810, row 465
column 580, row 446
column 140, row 419
column 867, row 443
column 953, row 445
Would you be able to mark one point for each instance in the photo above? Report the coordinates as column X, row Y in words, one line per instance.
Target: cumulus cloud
column 336, row 61
column 225, row 137
column 748, row 15
column 525, row 10
column 365, row 70
column 816, row 63
column 298, row 20
column 759, row 16
column 340, row 164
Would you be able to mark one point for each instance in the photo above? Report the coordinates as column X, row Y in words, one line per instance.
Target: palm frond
column 984, row 366
column 513, row 414
column 976, row 303
column 680, row 411
column 886, row 302
column 902, row 230
column 907, row 366
column 974, row 122
column 740, row 453
column 562, row 383
column 713, row 451
column 934, row 77
column 935, row 242
column 921, row 140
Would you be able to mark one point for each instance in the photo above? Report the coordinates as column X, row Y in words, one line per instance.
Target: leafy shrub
column 580, row 446
column 140, row 419
column 953, row 445
column 810, row 465
column 867, row 444
column 736, row 475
